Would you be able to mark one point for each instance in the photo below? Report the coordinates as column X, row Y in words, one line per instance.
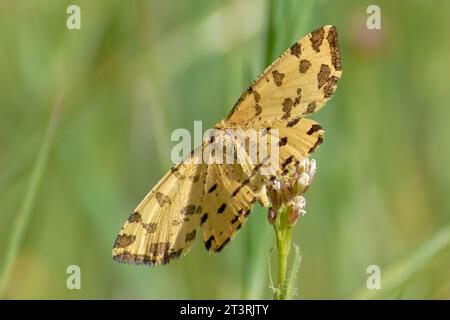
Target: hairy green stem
column 283, row 234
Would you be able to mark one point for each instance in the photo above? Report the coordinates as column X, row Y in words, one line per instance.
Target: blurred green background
column 139, row 69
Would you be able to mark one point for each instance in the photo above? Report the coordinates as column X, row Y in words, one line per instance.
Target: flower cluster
column 286, row 191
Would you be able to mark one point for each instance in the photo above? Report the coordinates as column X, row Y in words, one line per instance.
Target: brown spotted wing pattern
column 217, row 198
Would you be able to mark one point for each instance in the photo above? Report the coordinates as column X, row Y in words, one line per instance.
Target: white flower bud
column 300, row 202
column 312, row 168
column 303, row 180
column 277, row 185
column 303, row 164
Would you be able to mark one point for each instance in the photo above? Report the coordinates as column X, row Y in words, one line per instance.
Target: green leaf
column 291, row 285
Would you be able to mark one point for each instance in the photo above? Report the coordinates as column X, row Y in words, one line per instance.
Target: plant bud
column 272, row 215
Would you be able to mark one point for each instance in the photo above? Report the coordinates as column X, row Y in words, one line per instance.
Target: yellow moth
column 217, row 198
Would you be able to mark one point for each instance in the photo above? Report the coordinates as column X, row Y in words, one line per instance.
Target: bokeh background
column 85, row 123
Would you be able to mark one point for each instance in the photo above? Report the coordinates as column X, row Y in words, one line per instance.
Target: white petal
column 277, row 185
column 303, row 180
column 300, row 202
column 304, row 163
column 312, row 167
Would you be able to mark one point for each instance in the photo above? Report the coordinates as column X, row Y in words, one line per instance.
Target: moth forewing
column 299, row 82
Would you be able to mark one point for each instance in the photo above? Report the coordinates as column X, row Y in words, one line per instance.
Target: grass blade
column 399, row 273
column 270, row 45
column 22, row 218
